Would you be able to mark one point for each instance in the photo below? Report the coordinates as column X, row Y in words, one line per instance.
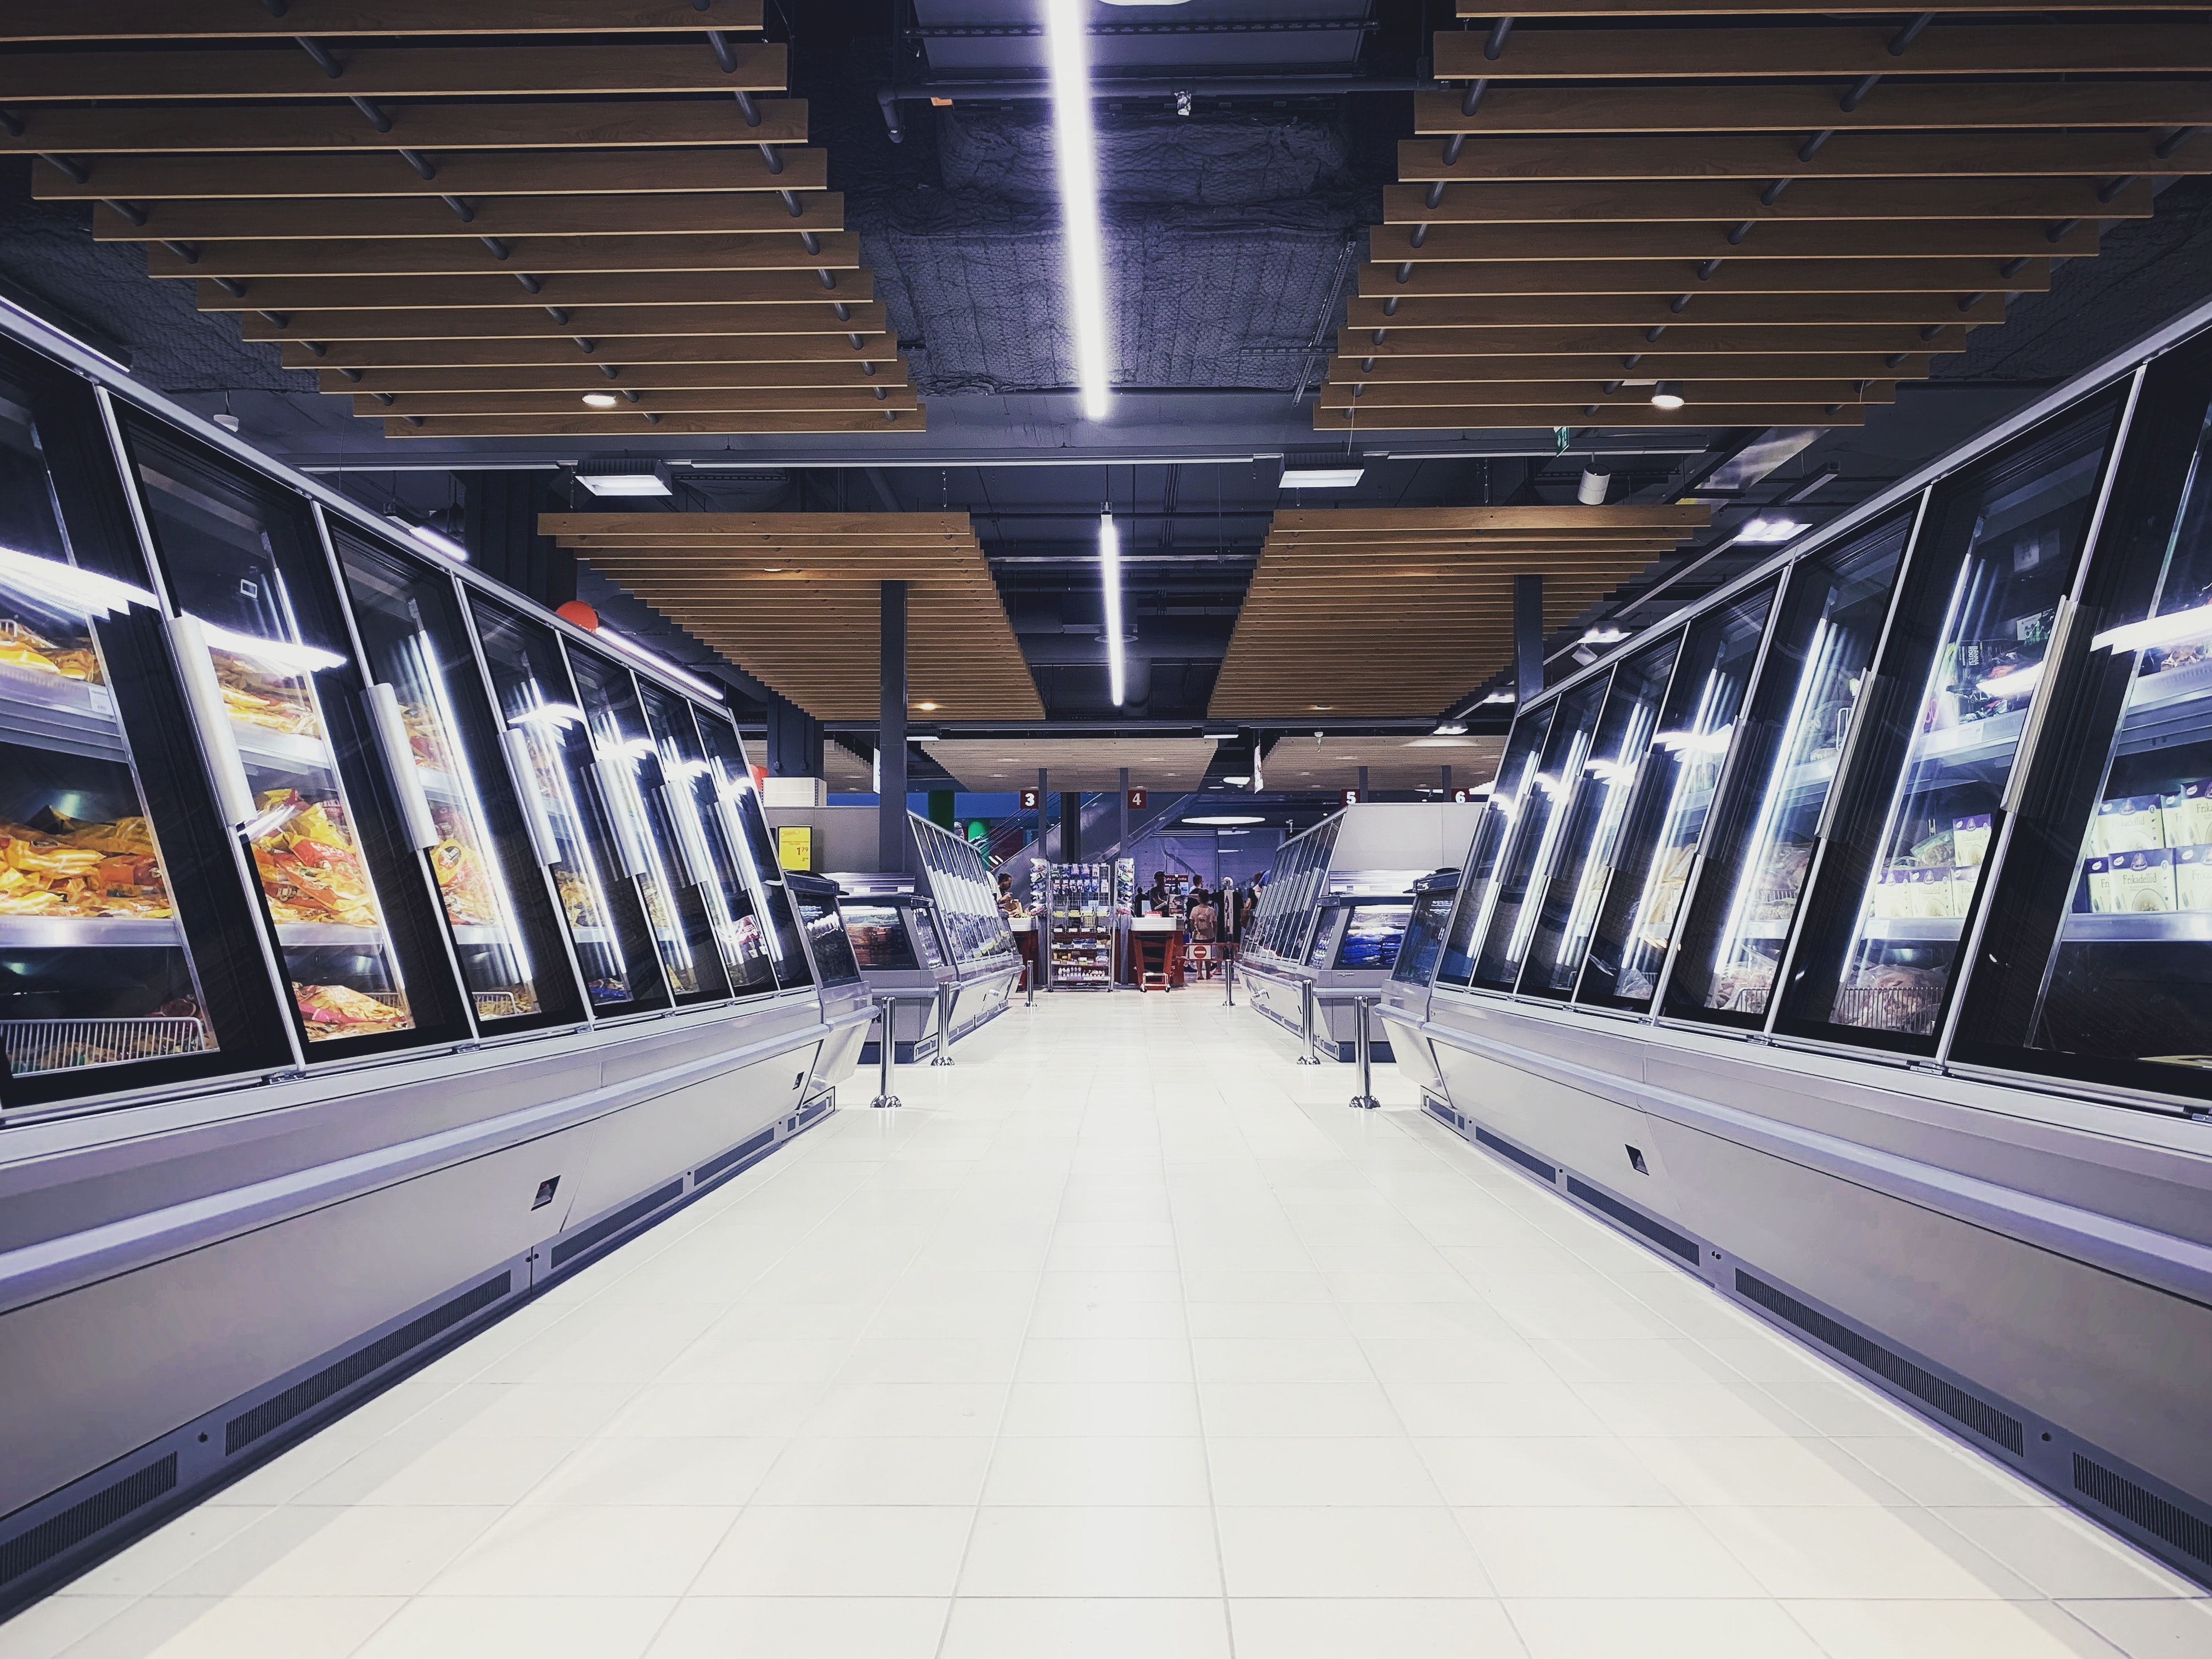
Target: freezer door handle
column 618, row 788
column 399, row 760
column 234, row 795
column 535, row 819
column 690, row 841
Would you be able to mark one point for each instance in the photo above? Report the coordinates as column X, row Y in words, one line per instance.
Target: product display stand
column 1079, row 926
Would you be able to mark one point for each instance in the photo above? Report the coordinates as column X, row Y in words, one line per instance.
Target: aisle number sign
column 1351, row 797
column 1137, row 797
column 1031, row 800
column 794, row 845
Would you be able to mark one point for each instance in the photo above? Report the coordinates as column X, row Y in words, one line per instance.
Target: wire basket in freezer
column 60, row 1045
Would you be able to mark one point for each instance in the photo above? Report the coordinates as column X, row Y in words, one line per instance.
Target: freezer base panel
column 238, row 1349
column 1281, row 999
column 2087, row 1381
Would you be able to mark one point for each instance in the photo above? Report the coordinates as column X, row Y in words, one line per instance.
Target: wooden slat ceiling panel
column 1788, row 247
column 794, row 598
column 483, row 264
column 1436, row 581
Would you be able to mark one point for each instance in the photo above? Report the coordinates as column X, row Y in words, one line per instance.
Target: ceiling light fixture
column 1591, row 491
column 1449, row 729
column 1109, row 583
column 1667, row 394
column 1605, row 636
column 926, row 708
column 1075, row 143
column 1500, row 696
column 635, row 481
column 1323, row 478
column 1769, row 532
column 1218, row 818
column 631, row 647
column 601, row 399
column 436, row 540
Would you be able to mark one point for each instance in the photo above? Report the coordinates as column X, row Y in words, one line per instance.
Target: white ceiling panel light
column 1220, row 818
column 1109, row 583
column 1323, row 478
column 1075, row 143
column 1771, row 531
column 624, row 477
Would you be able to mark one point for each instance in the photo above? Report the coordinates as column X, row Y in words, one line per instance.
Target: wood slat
column 583, row 376
column 285, row 71
column 1524, row 416
column 1894, row 106
column 1660, row 364
column 1672, row 276
column 738, row 165
column 500, row 290
column 1777, row 310
column 1733, row 393
column 636, row 427
column 1534, row 8
column 1682, row 340
column 1966, row 239
column 436, row 128
column 493, row 354
column 1582, row 54
column 440, row 257
column 959, row 526
column 27, row 21
column 730, row 213
column 596, row 322
column 1734, row 200
column 852, row 397
column 1848, row 156
column 1685, row 516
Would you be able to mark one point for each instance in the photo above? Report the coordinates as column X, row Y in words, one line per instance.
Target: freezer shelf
column 1937, row 930
column 2153, row 928
column 82, row 932
column 45, row 711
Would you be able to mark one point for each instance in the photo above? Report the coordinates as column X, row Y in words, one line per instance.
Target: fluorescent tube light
column 1449, row 729
column 1217, row 819
column 1075, row 144
column 653, row 660
column 1323, row 478
column 1109, row 583
column 1605, row 636
column 1500, row 696
column 1763, row 531
column 436, row 541
column 624, row 483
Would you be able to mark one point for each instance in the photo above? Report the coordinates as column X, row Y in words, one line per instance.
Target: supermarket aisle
column 1126, row 1337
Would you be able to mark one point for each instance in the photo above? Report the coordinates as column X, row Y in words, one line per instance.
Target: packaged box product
column 2130, row 823
column 1970, row 839
column 2192, row 878
column 2098, row 872
column 1931, row 891
column 1886, row 886
column 1964, row 880
column 2143, row 881
column 2187, row 810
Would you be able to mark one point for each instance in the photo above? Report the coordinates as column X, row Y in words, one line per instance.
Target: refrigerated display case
column 982, row 945
column 323, row 971
column 1335, row 909
column 1895, row 1024
column 899, row 951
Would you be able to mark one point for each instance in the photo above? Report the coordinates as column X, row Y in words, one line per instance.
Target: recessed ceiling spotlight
column 1667, row 394
column 926, row 708
column 601, row 399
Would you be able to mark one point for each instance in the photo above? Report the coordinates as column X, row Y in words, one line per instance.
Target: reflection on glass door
column 1760, row 848
column 2096, row 962
column 549, row 756
column 626, row 766
column 1960, row 670
column 94, row 970
column 1538, row 819
column 411, row 625
column 1598, row 808
column 1492, row 835
column 1697, row 729
column 691, row 803
column 245, row 575
column 745, row 827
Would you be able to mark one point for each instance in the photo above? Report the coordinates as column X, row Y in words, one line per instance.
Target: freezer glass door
column 1372, row 935
column 285, row 719
column 1534, row 836
column 626, row 766
column 1900, row 878
column 690, row 802
column 1478, row 885
column 1598, row 808
column 1666, row 821
column 825, row 939
column 1761, row 846
column 493, row 894
column 1425, row 937
column 550, row 758
column 877, row 935
column 2096, row 963
column 101, row 984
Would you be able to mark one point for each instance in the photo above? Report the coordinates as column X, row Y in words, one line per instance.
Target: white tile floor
column 1126, row 1337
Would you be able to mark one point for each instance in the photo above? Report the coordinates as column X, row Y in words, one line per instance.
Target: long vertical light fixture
column 1109, row 581
column 1075, row 140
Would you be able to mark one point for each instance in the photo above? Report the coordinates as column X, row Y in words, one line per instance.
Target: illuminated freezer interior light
column 65, row 584
column 1075, row 145
column 1110, row 582
column 285, row 656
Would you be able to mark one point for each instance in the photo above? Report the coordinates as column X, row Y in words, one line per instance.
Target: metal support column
column 886, row 1051
column 1121, row 840
column 943, row 1054
column 1364, row 1100
column 1362, row 783
column 1071, row 826
column 890, row 735
column 1528, row 638
column 1044, row 813
column 1306, row 1022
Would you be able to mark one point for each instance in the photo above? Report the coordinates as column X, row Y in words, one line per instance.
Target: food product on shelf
column 2192, row 878
column 1970, row 838
column 340, row 1011
column 576, row 898
column 308, row 867
column 2097, row 873
column 2130, row 823
column 1781, row 876
column 1890, row 997
column 277, row 702
column 25, row 648
column 463, row 882
column 2186, row 809
column 2143, row 881
column 426, row 735
column 60, row 867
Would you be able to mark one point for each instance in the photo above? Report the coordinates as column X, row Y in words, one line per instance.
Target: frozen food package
column 1931, row 890
column 1970, row 838
column 2130, row 823
column 2143, row 881
column 2192, row 878
column 2187, row 810
column 2099, row 872
column 1965, row 879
